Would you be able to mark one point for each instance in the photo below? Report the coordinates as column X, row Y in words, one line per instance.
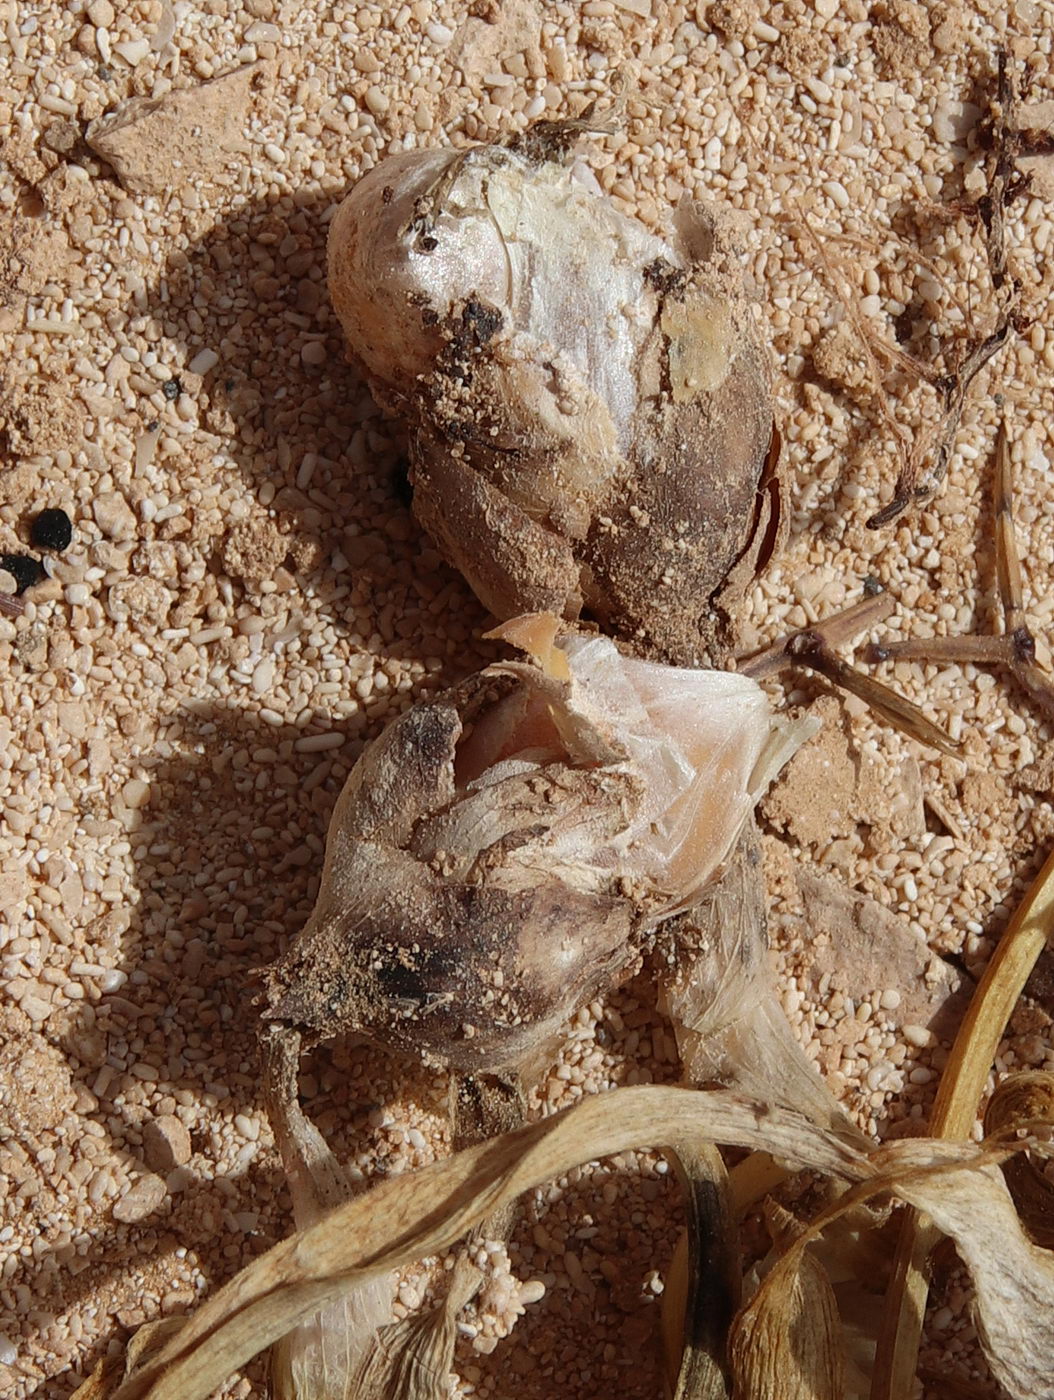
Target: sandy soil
column 247, row 599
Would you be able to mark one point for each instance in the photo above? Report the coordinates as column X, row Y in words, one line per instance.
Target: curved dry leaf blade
column 424, row 1213
column 954, row 1111
column 407, row 1218
column 966, row 1198
column 1014, row 1278
column 143, row 1344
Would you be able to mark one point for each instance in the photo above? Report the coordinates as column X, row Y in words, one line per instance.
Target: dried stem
column 910, row 488
column 812, row 648
column 870, row 342
column 1016, row 647
column 840, row 627
column 1005, row 184
column 712, row 1281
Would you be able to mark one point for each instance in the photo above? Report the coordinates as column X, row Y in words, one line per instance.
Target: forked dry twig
column 813, row 649
column 1015, row 648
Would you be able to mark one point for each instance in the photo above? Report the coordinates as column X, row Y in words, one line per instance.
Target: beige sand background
column 248, row 599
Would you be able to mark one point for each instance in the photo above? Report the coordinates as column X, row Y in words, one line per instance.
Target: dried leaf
column 704, row 1282
column 408, row 1218
column 325, row 1357
column 1025, row 1102
column 720, row 996
column 144, row 1344
column 1013, row 1277
column 954, row 1112
column 411, row 1217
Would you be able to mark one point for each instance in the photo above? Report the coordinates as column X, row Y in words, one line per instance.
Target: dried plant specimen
column 500, row 853
column 588, row 403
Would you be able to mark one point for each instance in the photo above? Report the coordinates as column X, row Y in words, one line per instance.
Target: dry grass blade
column 410, row 1217
column 144, row 1343
column 1013, row 1277
column 953, row 1116
column 326, row 1357
column 407, row 1218
column 964, row 1195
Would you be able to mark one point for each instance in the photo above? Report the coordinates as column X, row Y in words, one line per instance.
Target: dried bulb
column 588, row 403
column 500, row 852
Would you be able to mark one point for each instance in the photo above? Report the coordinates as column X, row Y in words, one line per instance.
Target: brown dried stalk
column 1015, row 649
column 812, row 648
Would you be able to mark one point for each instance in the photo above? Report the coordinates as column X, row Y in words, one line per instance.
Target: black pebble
column 24, row 569
column 52, row 530
column 172, row 388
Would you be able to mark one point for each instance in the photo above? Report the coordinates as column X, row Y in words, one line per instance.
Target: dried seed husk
column 1025, row 1101
column 786, row 1344
column 500, row 853
column 588, row 403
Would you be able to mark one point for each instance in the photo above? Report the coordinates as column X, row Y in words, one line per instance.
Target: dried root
column 925, row 467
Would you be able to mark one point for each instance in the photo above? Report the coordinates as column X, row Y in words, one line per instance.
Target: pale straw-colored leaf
column 424, row 1213
column 408, row 1218
column 144, row 1343
column 720, row 996
column 958, row 1097
column 325, row 1357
